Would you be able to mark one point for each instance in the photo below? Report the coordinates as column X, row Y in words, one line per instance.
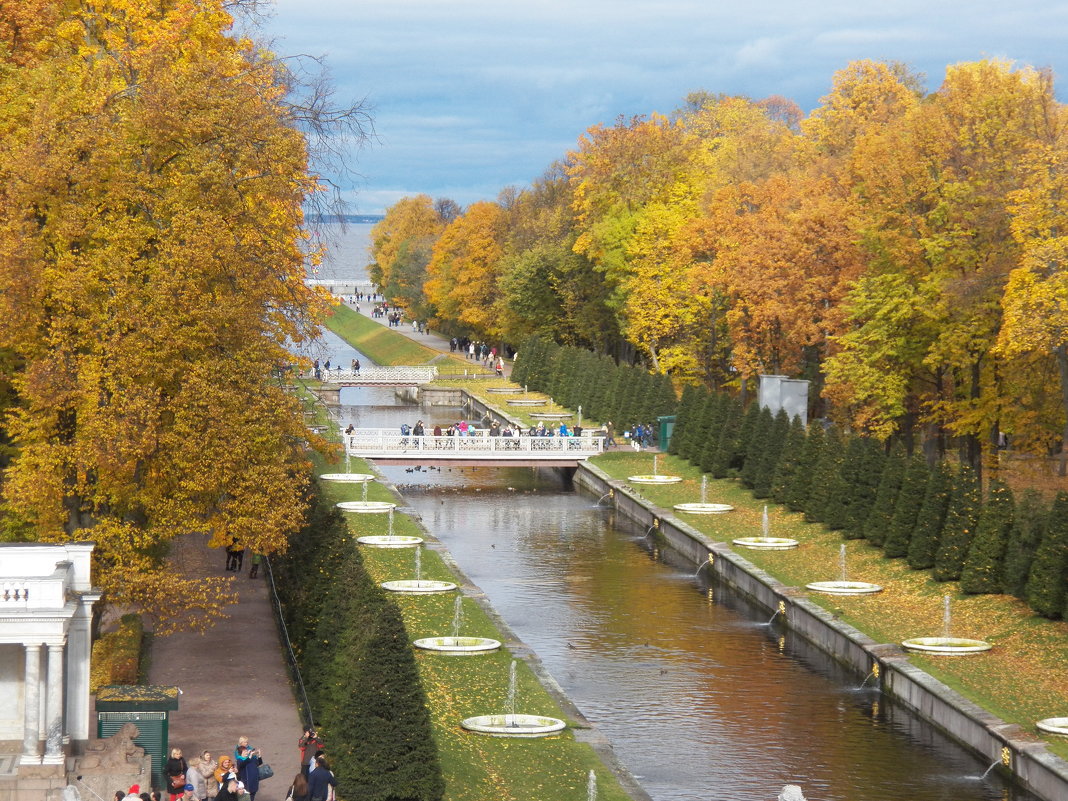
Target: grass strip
column 385, row 346
column 476, row 767
column 1021, row 680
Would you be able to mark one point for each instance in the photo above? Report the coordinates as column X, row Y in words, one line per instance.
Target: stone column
column 78, row 651
column 54, row 706
column 31, row 687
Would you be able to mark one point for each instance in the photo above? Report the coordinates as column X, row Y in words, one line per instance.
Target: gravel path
column 233, row 677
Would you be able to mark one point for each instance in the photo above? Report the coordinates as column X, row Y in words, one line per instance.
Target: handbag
column 178, row 781
column 266, row 771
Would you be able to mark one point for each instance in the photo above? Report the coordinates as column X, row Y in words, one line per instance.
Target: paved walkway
column 430, row 340
column 233, row 678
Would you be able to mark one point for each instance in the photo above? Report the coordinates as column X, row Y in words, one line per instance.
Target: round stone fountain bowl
column 550, row 415
column 459, row 646
column 946, row 646
column 503, row 390
column 1054, row 726
column 654, row 479
column 514, row 725
column 418, row 586
column 390, row 541
column 766, row 543
column 844, row 587
column 350, row 478
column 703, row 508
column 367, row 507
column 526, row 402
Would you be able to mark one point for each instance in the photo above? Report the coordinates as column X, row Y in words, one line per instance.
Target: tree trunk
column 1062, row 365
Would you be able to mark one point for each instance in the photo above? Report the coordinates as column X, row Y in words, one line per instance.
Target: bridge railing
column 384, row 375
column 391, row 441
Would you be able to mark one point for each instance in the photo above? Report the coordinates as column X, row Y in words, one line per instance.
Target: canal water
column 700, row 696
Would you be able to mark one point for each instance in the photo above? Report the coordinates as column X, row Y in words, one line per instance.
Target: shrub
column 983, row 566
column 116, row 657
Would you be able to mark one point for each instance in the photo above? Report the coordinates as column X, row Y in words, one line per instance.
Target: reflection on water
column 699, row 696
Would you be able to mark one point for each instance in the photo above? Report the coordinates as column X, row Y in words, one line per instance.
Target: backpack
column 406, row 429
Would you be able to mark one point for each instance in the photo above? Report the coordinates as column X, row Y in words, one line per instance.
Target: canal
column 700, row 696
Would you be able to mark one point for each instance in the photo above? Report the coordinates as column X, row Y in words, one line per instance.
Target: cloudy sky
column 470, row 96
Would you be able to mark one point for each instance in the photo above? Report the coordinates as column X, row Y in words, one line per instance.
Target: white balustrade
column 381, row 375
column 389, row 442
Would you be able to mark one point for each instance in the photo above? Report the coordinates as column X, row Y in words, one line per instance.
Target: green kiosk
column 147, row 706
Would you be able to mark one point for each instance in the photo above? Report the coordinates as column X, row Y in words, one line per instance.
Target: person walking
column 175, row 770
column 298, row 790
column 321, row 781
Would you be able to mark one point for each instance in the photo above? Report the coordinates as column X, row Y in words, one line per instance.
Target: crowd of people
column 238, row 777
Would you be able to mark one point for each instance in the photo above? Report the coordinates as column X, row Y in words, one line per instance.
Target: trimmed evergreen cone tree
column 801, row 483
column 1028, row 526
column 961, row 519
column 1049, row 570
column 982, row 568
column 769, row 459
column 823, row 477
column 909, row 502
column 923, row 544
column 792, row 452
column 882, row 510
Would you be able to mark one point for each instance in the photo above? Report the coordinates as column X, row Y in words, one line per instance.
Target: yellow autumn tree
column 401, row 244
column 1035, row 300
column 465, row 268
column 151, row 278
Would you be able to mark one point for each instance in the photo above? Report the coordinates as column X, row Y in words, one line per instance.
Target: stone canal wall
column 991, row 738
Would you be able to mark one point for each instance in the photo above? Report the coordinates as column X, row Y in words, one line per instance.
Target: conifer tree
column 716, row 458
column 959, row 530
column 789, row 461
column 923, row 544
column 757, row 447
column 1049, row 570
column 882, row 510
column 823, row 476
column 798, row 489
column 601, row 385
column 706, row 431
column 1028, row 525
column 683, row 420
column 907, row 510
column 743, row 435
column 769, row 459
column 986, row 557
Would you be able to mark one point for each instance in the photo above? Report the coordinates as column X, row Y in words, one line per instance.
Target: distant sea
column 346, row 243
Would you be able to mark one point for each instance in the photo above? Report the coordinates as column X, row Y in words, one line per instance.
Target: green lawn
column 385, row 346
column 1023, row 679
column 476, row 767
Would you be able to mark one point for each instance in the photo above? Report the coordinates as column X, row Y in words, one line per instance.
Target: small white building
column 46, row 606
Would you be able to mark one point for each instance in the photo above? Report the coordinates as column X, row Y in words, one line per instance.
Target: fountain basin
column 525, row 402
column 502, row 390
column 844, row 587
column 390, row 541
column 367, row 507
column 550, row 415
column 1054, row 726
column 513, row 725
column 946, row 646
column 458, row 645
column 418, row 586
column 654, row 479
column 704, row 508
column 766, row 543
column 350, row 478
